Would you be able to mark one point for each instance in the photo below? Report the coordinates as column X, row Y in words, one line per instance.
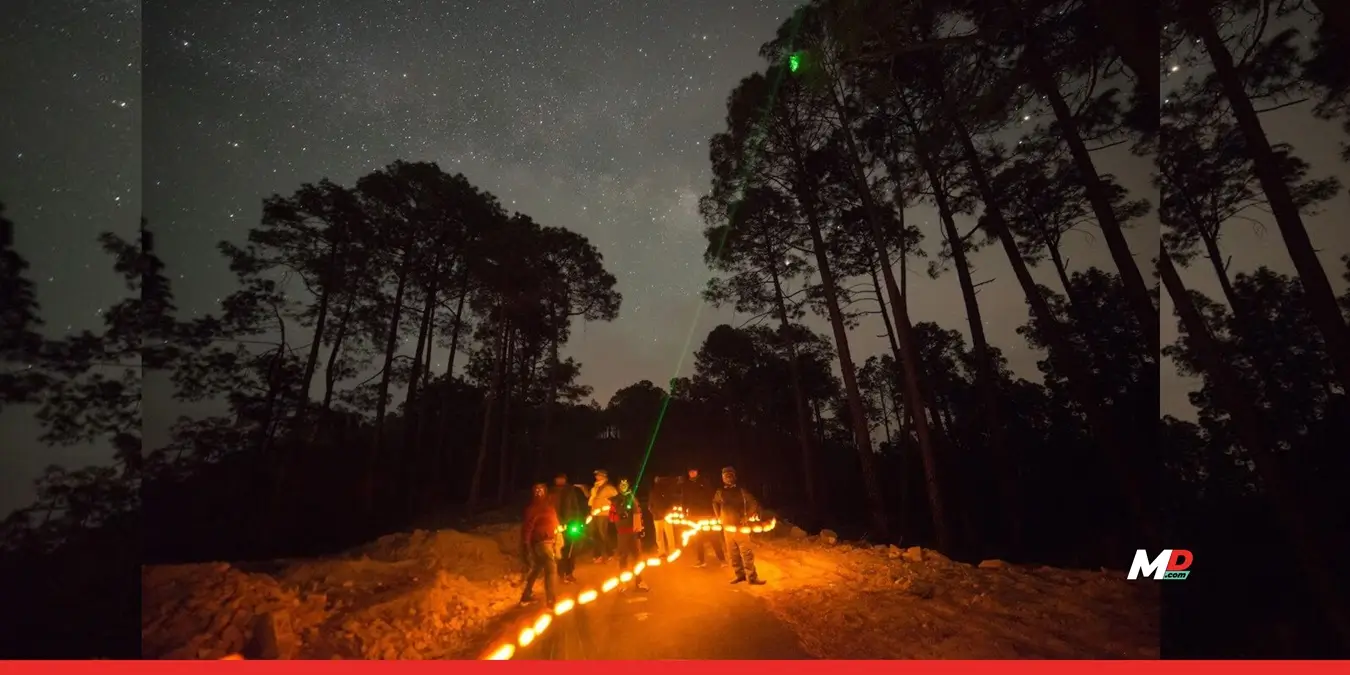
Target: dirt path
column 689, row 614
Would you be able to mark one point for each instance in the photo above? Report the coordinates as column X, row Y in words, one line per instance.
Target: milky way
column 588, row 114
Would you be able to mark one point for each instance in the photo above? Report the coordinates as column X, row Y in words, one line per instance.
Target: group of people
column 555, row 526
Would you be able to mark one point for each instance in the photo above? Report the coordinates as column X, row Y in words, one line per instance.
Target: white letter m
column 1149, row 568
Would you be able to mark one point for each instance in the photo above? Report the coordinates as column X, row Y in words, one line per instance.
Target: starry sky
column 588, row 114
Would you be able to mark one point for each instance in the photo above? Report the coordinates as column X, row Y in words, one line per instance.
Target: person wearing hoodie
column 661, row 503
column 598, row 498
column 569, row 502
column 626, row 514
column 696, row 499
column 735, row 507
column 537, row 537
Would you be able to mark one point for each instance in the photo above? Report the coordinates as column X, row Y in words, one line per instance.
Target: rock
column 797, row 533
column 934, row 556
column 893, row 552
column 913, row 554
column 923, row 590
column 274, row 638
column 829, row 537
column 993, row 565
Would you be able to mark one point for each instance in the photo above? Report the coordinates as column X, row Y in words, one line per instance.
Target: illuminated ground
column 688, row 614
column 452, row 595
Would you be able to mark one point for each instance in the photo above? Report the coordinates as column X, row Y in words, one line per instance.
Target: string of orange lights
column 507, row 649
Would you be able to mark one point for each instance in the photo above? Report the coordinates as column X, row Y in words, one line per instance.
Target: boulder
column 913, row 554
column 274, row 638
column 829, row 537
column 993, row 565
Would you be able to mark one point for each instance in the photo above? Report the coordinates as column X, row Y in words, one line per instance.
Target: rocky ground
column 423, row 595
column 447, row 594
column 847, row 601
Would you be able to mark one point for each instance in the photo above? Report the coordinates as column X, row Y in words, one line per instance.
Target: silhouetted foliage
column 393, row 353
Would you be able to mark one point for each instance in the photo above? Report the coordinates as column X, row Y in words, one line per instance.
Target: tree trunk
column 459, row 321
column 1246, row 417
column 550, row 402
column 414, row 407
column 862, row 440
column 878, row 261
column 390, row 346
column 1317, row 289
column 897, row 402
column 1336, row 14
column 1131, row 39
column 1136, row 292
column 798, row 395
column 1004, row 469
column 504, row 444
column 423, row 343
column 1061, row 348
column 312, row 361
column 1057, row 259
column 330, row 371
column 904, row 331
column 489, row 402
column 1215, row 257
column 440, row 447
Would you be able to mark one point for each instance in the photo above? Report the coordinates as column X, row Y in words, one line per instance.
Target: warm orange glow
column 541, row 624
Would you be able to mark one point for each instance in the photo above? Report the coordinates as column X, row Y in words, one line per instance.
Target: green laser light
column 574, row 529
column 794, row 62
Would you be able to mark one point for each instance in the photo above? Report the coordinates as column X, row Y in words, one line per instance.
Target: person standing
column 696, row 499
column 661, row 503
column 735, row 507
column 600, row 495
column 537, row 537
column 626, row 514
column 569, row 502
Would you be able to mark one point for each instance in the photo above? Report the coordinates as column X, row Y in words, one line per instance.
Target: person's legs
column 733, row 552
column 535, row 568
column 599, row 538
column 660, row 526
column 700, row 543
column 747, row 553
column 548, row 566
column 629, row 553
column 566, row 563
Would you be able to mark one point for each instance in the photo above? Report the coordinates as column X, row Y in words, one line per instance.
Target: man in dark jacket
column 537, row 537
column 734, row 507
column 569, row 502
column 696, row 498
column 626, row 514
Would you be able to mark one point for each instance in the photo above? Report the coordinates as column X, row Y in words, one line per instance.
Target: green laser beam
column 750, row 159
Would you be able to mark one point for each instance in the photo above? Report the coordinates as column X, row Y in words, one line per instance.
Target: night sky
column 588, row 114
